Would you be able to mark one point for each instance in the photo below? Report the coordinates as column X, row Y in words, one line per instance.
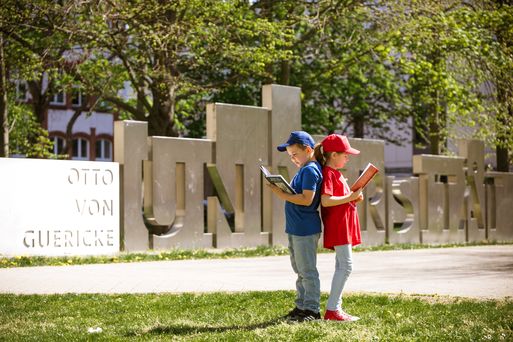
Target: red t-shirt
column 341, row 223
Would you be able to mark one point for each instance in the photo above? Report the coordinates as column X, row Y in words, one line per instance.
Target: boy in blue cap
column 303, row 224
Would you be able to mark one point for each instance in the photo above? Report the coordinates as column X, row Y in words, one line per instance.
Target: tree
column 35, row 31
column 450, row 51
column 348, row 74
column 4, row 121
column 431, row 44
column 34, row 46
column 501, row 26
column 26, row 136
column 172, row 51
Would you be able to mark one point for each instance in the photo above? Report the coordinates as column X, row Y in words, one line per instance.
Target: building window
column 80, row 149
column 21, row 91
column 103, row 150
column 59, row 145
column 76, row 97
column 58, row 99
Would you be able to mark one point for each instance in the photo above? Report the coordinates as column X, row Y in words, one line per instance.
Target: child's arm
column 330, row 201
column 306, row 198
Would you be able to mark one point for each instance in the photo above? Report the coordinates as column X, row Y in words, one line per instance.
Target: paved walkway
column 484, row 271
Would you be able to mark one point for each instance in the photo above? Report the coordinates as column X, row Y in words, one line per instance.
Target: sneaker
column 339, row 315
column 294, row 314
column 308, row 316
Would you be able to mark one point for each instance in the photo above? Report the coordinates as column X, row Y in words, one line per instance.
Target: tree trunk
column 160, row 124
column 40, row 101
column 359, row 126
column 161, row 121
column 502, row 159
column 501, row 150
column 285, row 73
column 69, row 132
column 437, row 123
column 434, row 135
column 4, row 122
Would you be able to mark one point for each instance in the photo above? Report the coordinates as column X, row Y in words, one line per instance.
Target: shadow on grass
column 185, row 329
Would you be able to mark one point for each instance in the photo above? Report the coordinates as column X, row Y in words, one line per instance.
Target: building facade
column 92, row 134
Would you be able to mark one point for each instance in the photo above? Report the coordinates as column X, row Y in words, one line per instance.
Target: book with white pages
column 277, row 180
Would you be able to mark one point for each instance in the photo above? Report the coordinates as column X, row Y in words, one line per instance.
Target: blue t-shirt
column 305, row 220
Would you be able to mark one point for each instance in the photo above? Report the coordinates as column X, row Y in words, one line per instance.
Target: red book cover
column 366, row 176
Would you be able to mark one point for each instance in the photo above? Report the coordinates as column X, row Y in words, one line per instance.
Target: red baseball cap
column 338, row 143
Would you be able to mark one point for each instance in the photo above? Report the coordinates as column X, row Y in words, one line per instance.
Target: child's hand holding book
column 355, row 197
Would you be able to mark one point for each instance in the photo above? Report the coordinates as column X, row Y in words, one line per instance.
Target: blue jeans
column 343, row 268
column 303, row 257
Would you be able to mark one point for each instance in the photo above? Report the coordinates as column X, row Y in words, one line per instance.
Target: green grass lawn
column 182, row 254
column 251, row 316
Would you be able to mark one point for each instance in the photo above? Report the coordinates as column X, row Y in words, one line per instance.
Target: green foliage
column 27, row 136
column 497, row 61
column 250, row 316
column 38, row 50
column 341, row 60
column 174, row 53
column 37, row 41
column 449, row 52
column 363, row 67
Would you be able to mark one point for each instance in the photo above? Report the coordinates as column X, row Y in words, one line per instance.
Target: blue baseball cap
column 297, row 137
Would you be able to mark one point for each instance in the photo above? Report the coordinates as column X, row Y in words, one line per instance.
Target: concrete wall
column 58, row 207
column 200, row 193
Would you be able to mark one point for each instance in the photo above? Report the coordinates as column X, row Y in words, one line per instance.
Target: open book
column 277, row 180
column 366, row 176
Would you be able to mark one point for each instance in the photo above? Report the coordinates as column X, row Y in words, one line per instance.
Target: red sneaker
column 331, row 315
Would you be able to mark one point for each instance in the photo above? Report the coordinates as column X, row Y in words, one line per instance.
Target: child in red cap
column 339, row 216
